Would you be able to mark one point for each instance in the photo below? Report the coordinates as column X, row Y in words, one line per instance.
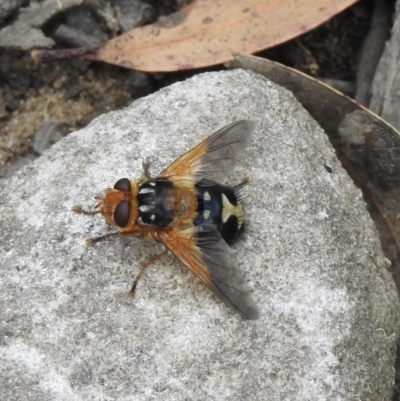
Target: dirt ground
column 70, row 93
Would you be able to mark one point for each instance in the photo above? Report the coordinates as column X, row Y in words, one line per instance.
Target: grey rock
column 45, row 137
column 386, row 84
column 328, row 305
column 133, row 13
column 7, row 170
column 372, row 50
column 75, row 37
column 140, row 83
column 7, row 7
column 81, row 29
column 25, row 32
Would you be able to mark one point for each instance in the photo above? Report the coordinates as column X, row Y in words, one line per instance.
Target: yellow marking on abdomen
column 228, row 210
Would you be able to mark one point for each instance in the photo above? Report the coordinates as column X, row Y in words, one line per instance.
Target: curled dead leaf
column 207, row 32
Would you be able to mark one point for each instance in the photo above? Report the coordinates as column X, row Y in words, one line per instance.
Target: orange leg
column 92, row 241
column 77, row 209
column 131, row 293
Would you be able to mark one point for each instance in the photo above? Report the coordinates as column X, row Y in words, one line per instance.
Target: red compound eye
column 123, row 185
column 122, row 214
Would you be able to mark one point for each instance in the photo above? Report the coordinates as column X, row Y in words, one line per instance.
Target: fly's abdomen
column 156, row 203
column 219, row 206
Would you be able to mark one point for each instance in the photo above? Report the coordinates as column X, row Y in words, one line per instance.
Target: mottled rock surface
column 328, row 305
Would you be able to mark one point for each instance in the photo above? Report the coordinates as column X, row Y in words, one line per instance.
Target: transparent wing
column 213, row 157
column 206, row 254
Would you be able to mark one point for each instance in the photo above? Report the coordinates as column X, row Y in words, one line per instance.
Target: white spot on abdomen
column 146, row 191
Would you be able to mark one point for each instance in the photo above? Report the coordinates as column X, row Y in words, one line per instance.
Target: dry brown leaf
column 208, row 32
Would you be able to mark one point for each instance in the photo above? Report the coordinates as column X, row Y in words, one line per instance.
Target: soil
column 71, row 93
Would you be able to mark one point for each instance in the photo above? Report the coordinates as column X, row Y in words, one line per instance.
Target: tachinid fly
column 187, row 210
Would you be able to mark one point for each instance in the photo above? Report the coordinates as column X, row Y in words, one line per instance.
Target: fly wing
column 213, row 157
column 206, row 254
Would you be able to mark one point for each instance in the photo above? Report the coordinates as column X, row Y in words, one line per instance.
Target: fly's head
column 119, row 205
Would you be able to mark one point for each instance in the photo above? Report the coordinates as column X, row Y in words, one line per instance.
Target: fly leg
column 77, row 209
column 146, row 168
column 95, row 240
column 131, row 293
column 92, row 241
column 245, row 181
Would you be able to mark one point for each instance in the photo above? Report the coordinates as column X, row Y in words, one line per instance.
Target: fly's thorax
column 162, row 203
column 156, row 199
column 219, row 206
